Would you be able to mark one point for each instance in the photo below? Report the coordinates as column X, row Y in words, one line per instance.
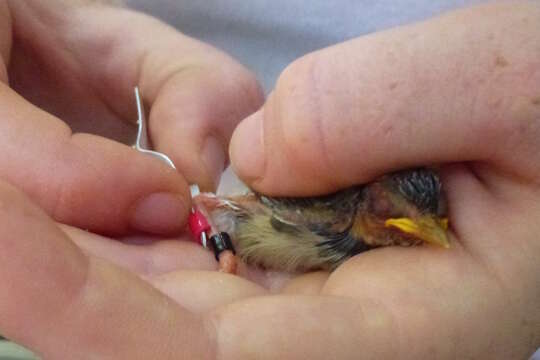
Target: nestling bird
column 300, row 234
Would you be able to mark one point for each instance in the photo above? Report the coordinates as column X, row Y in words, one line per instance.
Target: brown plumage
column 299, row 234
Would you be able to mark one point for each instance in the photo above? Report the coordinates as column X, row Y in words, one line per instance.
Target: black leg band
column 221, row 242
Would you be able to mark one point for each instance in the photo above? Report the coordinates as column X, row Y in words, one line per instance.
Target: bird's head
column 408, row 206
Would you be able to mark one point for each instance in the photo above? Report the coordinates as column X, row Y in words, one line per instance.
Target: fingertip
column 247, row 149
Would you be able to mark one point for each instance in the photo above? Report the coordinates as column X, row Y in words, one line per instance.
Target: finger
column 305, row 327
column 62, row 304
column 455, row 88
column 423, row 288
column 151, row 257
column 196, row 94
column 202, row 291
column 193, row 117
column 484, row 223
column 84, row 180
column 387, row 312
column 306, row 284
column 155, row 257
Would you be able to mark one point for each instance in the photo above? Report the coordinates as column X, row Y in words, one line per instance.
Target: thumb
column 456, row 88
column 85, row 180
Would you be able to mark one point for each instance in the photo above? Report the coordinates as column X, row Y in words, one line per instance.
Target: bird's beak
column 426, row 228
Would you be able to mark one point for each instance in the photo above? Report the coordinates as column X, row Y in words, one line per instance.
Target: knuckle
column 296, row 100
column 9, row 196
column 234, row 75
column 302, row 112
column 298, row 81
column 239, row 93
column 249, row 89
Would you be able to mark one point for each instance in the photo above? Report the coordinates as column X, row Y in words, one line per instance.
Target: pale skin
column 461, row 91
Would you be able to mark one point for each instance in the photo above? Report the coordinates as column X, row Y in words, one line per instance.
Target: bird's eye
column 381, row 206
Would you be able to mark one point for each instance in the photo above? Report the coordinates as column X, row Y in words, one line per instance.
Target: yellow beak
column 426, row 228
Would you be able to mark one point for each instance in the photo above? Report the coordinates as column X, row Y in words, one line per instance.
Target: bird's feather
column 320, row 232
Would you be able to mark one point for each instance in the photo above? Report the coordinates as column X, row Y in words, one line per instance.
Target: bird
column 299, row 234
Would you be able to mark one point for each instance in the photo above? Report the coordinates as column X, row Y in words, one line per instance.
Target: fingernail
column 213, row 157
column 159, row 213
column 247, row 148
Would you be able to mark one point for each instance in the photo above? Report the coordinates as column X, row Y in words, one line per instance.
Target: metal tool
column 198, row 221
column 142, row 143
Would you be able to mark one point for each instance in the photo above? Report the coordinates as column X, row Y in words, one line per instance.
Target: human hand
column 463, row 92
column 477, row 300
column 79, row 63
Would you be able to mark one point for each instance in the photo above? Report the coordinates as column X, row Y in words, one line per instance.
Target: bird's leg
column 207, row 233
